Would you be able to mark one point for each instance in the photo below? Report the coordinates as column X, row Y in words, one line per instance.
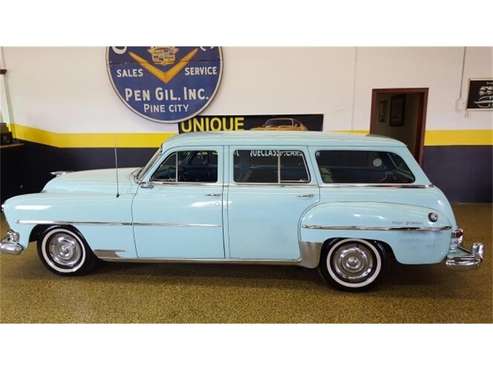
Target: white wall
column 68, row 90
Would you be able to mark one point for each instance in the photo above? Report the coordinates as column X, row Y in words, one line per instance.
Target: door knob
column 306, row 195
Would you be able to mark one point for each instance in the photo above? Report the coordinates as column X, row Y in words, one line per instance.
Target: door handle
column 213, row 195
column 306, row 195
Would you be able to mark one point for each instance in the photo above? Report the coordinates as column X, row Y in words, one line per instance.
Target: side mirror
column 146, row 185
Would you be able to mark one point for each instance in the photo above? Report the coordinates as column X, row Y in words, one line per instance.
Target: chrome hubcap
column 64, row 249
column 353, row 262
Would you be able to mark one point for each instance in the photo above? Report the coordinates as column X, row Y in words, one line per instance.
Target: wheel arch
column 40, row 229
column 387, row 252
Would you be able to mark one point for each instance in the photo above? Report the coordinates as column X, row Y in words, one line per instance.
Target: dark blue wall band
column 464, row 173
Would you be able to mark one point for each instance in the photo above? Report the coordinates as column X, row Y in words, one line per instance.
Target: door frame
column 143, row 217
column 233, row 188
column 423, row 107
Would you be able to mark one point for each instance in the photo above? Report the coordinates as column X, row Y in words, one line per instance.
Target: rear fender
column 412, row 236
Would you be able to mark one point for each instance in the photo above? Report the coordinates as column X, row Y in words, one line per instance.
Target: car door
column 270, row 187
column 177, row 212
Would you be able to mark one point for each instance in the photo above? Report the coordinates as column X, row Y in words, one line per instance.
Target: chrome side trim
column 310, row 257
column 206, row 260
column 310, row 254
column 377, row 228
column 107, row 253
column 66, row 222
column 112, row 223
column 171, row 224
column 403, row 186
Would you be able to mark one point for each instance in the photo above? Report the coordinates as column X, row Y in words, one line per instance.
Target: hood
column 93, row 181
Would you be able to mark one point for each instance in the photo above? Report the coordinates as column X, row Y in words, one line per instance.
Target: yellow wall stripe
column 154, row 139
column 90, row 140
column 459, row 137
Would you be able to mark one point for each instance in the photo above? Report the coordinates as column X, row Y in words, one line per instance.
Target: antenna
column 116, row 170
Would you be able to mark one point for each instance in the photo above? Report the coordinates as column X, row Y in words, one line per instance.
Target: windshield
column 149, row 164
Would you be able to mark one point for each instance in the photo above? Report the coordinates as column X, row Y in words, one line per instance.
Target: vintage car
column 282, row 124
column 345, row 204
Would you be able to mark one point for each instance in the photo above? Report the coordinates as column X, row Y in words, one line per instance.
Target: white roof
column 280, row 138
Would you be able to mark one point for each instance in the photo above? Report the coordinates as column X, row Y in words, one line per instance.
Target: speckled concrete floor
column 157, row 293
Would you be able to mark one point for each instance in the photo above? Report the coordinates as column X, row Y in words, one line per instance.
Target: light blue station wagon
column 345, row 204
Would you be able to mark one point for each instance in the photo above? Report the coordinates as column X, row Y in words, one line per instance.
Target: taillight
column 457, row 237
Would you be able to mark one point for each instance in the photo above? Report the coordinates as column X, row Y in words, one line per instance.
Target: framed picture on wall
column 397, row 110
column 480, row 96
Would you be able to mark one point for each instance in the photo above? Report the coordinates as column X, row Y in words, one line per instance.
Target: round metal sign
column 165, row 84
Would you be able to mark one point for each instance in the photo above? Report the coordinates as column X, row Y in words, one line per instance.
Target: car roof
column 246, row 137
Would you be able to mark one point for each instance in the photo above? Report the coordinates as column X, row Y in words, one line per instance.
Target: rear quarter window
column 362, row 167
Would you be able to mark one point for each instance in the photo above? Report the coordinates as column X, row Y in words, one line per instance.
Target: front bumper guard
column 465, row 259
column 10, row 243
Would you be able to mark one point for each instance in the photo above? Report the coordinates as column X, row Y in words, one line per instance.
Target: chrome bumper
column 464, row 259
column 10, row 243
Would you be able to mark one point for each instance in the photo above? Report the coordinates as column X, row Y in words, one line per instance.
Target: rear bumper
column 465, row 259
column 10, row 243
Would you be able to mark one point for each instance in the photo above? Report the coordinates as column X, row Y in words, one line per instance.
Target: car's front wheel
column 65, row 252
column 352, row 264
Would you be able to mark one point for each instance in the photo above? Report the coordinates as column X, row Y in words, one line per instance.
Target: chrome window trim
column 378, row 228
column 376, row 185
column 310, row 177
column 334, row 184
column 113, row 223
column 281, row 185
column 186, row 183
column 176, row 182
column 307, row 169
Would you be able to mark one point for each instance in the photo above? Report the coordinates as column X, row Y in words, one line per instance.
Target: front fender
column 413, row 238
column 28, row 206
column 103, row 219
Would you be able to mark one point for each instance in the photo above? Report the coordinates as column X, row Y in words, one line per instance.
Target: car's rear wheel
column 65, row 252
column 352, row 264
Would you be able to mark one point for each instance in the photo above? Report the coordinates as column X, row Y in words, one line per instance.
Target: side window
column 167, row 170
column 293, row 168
column 269, row 166
column 197, row 166
column 188, row 166
column 364, row 167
